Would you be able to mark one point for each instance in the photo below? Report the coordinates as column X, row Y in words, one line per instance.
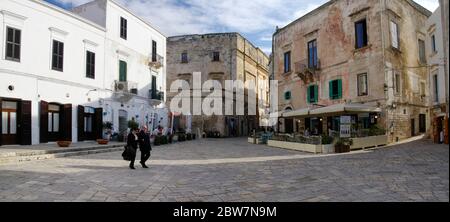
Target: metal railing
column 156, row 61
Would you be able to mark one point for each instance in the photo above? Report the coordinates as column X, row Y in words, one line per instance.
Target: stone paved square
column 217, row 170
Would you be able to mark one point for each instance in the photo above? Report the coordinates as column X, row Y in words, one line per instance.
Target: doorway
column 422, row 123
column 9, row 123
column 54, row 123
column 123, row 124
column 89, row 123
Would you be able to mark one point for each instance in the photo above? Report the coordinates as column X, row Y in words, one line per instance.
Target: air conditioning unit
column 121, row 86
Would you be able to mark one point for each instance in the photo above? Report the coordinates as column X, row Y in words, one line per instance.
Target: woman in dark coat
column 144, row 145
column 132, row 142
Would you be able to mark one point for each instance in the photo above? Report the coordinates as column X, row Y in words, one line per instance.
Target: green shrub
column 376, row 131
column 133, row 125
column 327, row 140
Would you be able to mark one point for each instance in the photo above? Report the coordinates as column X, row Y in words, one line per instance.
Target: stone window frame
column 359, row 15
column 358, row 84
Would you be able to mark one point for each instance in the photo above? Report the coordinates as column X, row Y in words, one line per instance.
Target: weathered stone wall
column 239, row 60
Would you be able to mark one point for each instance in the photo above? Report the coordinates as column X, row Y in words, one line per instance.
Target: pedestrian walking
column 144, row 145
column 132, row 144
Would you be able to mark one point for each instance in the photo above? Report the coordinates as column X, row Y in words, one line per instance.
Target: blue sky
column 255, row 19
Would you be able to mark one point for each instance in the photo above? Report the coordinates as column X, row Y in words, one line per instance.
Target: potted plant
column 63, row 143
column 107, row 129
column 133, row 124
column 343, row 145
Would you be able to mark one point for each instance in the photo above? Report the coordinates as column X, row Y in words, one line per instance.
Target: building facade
column 62, row 75
column 362, row 59
column 437, row 62
column 222, row 56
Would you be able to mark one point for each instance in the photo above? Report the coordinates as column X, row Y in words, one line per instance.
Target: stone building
column 438, row 78
column 64, row 73
column 354, row 58
column 220, row 56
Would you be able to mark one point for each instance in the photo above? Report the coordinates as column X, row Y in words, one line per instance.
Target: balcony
column 156, row 61
column 156, row 97
column 306, row 71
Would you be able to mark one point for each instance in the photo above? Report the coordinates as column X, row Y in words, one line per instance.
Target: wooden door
column 98, row 123
column 25, row 123
column 9, row 122
column 43, row 123
column 80, row 125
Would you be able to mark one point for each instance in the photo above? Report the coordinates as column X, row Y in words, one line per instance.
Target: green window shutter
column 330, row 89
column 122, row 71
column 340, row 89
column 316, row 93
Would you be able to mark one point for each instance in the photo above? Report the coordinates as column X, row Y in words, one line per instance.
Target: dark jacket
column 144, row 141
column 132, row 142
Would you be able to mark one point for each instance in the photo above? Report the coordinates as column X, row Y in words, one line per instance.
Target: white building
column 436, row 59
column 62, row 74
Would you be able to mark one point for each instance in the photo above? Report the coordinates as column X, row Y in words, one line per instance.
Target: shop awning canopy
column 297, row 113
column 345, row 108
column 333, row 110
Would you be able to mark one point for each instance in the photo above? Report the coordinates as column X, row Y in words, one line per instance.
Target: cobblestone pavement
column 232, row 170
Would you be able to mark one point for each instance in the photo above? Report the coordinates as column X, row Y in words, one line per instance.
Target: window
column 422, row 89
column 13, row 41
column 122, row 71
column 123, row 28
column 58, row 56
column 184, row 57
column 312, row 54
column 422, row 56
column 336, row 89
column 216, row 56
column 397, row 83
column 361, row 34
column 154, row 51
column 436, row 88
column 90, row 65
column 287, row 95
column 287, row 62
column 362, row 85
column 53, row 118
column 313, row 94
column 433, row 43
column 395, row 38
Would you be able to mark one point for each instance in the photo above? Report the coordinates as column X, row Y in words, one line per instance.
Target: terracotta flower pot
column 64, row 143
column 102, row 141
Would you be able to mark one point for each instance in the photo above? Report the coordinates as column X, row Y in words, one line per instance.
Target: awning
column 345, row 108
column 297, row 113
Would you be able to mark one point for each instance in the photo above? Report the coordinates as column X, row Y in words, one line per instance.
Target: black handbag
column 128, row 153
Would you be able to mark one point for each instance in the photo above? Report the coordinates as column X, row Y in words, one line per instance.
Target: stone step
column 58, row 150
column 45, row 155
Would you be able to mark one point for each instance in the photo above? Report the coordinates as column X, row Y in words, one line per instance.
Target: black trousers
column 145, row 155
column 133, row 157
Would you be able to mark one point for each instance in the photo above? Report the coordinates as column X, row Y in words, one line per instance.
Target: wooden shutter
column 316, row 93
column 330, row 89
column 122, row 71
column 98, row 123
column 339, row 88
column 0, row 122
column 25, row 123
column 43, row 124
column 66, row 122
column 80, row 125
column 394, row 35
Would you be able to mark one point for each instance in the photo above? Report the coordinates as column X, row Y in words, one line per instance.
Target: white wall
column 436, row 60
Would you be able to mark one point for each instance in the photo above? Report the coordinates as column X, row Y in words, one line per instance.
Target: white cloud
column 431, row 5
